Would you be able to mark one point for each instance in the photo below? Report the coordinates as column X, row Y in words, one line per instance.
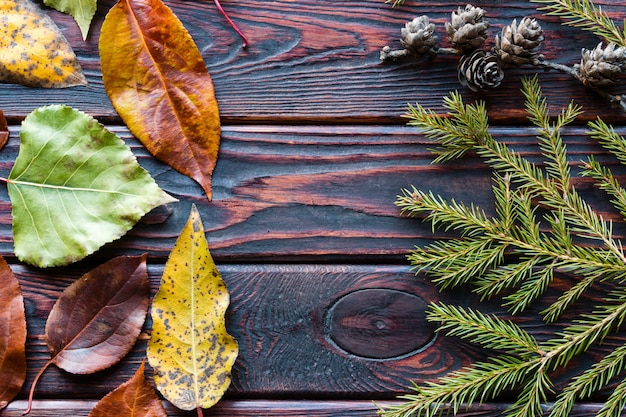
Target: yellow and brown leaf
column 190, row 350
column 33, row 51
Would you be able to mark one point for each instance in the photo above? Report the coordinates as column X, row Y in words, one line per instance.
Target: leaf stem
column 199, row 410
column 234, row 26
column 31, row 393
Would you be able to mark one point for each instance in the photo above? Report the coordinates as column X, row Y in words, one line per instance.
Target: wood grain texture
column 303, row 226
column 317, row 60
column 283, row 317
column 283, row 193
column 280, row 317
column 273, row 408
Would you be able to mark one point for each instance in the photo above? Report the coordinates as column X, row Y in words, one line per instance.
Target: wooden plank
column 292, row 192
column 314, row 60
column 236, row 408
column 283, row 317
column 305, row 331
column 273, row 408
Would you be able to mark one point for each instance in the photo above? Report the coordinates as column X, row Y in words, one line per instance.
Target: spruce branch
column 590, row 381
column 607, row 182
column 614, row 405
column 515, row 255
column 395, row 3
column 589, row 329
column 608, row 138
column 490, row 331
column 532, row 396
column 460, row 389
column 584, row 14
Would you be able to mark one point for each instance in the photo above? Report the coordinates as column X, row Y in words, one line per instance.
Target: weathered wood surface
column 274, row 408
column 302, row 225
column 318, row 61
column 284, row 193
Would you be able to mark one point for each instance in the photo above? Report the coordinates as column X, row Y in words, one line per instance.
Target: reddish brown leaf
column 12, row 336
column 158, row 83
column 97, row 319
column 4, row 130
column 135, row 397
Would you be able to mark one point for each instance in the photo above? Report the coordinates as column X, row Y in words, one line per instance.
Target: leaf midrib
column 193, row 324
column 65, row 188
column 163, row 79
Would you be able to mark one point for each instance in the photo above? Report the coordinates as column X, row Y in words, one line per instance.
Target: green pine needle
column 585, row 15
column 489, row 331
column 514, row 256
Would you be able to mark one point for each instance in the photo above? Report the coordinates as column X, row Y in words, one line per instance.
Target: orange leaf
column 12, row 336
column 135, row 397
column 157, row 81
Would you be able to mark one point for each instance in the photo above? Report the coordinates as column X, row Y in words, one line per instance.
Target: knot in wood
column 379, row 323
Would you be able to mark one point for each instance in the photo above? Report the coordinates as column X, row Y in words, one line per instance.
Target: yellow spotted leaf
column 190, row 350
column 33, row 51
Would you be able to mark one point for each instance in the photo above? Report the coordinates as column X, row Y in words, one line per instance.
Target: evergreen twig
column 584, row 14
column 514, row 255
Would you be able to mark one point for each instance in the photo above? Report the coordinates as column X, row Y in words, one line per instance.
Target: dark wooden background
column 314, row 151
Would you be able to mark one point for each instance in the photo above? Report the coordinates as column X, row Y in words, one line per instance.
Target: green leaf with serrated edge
column 74, row 187
column 190, row 350
column 81, row 10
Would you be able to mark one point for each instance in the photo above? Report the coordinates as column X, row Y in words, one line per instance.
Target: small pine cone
column 467, row 30
column 516, row 43
column 480, row 71
column 418, row 35
column 600, row 67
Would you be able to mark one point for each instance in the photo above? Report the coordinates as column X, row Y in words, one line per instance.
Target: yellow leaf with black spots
column 190, row 350
column 33, row 51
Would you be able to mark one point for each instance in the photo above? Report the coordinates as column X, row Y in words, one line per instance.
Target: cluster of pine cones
column 516, row 45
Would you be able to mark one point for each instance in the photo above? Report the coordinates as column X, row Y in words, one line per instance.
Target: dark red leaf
column 97, row 319
column 12, row 336
column 4, row 130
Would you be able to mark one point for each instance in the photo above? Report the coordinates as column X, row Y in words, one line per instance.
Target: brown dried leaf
column 4, row 130
column 99, row 316
column 12, row 335
column 158, row 83
column 97, row 319
column 135, row 398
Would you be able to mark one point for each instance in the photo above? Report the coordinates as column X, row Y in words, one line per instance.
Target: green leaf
column 81, row 10
column 74, row 187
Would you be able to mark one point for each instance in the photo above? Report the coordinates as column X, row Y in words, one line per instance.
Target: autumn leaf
column 74, row 187
column 190, row 350
column 12, row 336
column 81, row 10
column 135, row 398
column 97, row 319
column 158, row 83
column 4, row 130
column 33, row 51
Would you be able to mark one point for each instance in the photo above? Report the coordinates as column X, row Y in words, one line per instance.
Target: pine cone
column 467, row 30
column 480, row 71
column 601, row 66
column 516, row 44
column 418, row 35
